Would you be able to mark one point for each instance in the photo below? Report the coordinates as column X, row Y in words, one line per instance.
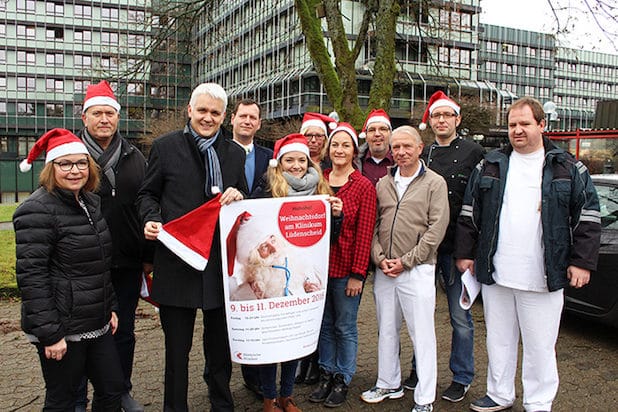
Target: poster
column 275, row 268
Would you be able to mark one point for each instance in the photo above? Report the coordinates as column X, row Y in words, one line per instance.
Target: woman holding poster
column 291, row 173
column 349, row 259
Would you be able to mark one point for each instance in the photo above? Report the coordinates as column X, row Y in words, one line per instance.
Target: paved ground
column 587, row 353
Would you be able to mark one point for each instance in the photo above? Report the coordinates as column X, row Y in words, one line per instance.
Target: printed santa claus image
column 263, row 265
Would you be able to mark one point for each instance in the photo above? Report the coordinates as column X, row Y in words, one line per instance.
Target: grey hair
column 211, row 89
column 410, row 131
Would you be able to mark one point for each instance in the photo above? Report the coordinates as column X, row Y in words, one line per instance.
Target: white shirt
column 402, row 182
column 519, row 262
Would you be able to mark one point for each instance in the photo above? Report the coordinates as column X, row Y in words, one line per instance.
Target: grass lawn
column 6, row 211
column 8, row 284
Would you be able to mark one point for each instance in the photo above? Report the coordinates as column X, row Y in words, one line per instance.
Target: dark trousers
column 95, row 358
column 178, row 324
column 127, row 282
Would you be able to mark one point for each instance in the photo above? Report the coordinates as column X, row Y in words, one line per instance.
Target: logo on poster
column 302, row 224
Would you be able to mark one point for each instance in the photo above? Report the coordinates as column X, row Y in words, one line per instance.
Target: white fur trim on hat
column 444, row 102
column 101, row 101
column 293, row 147
column 65, row 149
column 375, row 119
column 313, row 122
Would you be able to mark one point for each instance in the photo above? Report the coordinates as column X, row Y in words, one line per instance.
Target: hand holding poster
column 275, row 256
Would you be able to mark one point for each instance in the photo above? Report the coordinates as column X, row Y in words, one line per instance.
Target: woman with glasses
column 315, row 128
column 63, row 273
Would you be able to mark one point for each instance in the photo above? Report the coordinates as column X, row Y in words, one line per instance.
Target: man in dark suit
column 184, row 168
column 245, row 124
column 246, row 121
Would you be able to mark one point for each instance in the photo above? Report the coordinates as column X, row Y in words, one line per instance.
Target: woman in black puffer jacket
column 63, row 273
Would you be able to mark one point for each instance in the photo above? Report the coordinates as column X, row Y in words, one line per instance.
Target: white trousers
column 536, row 315
column 410, row 296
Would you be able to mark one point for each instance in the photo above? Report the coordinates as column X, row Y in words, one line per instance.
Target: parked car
column 599, row 299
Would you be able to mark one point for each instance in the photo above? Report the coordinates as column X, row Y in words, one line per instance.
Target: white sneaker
column 423, row 408
column 376, row 395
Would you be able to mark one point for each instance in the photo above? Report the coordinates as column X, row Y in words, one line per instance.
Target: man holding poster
column 274, row 295
column 184, row 169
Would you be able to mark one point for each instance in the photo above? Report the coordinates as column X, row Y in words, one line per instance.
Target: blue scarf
column 211, row 160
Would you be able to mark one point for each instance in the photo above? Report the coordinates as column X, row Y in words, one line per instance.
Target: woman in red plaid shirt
column 349, row 259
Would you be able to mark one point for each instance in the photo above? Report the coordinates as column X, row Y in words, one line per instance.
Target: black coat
column 262, row 157
column 63, row 265
column 173, row 186
column 130, row 249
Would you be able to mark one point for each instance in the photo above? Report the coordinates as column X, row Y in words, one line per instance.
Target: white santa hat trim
column 192, row 258
column 444, row 102
column 101, row 101
column 293, row 147
column 65, row 149
column 313, row 122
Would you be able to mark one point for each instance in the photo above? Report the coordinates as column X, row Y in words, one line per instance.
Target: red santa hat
column 56, row 143
column 146, row 289
column 294, row 142
column 438, row 99
column 345, row 127
column 190, row 236
column 100, row 94
column 322, row 121
column 246, row 234
column 376, row 115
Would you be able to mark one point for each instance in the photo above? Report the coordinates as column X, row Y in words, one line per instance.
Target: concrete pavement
column 588, row 364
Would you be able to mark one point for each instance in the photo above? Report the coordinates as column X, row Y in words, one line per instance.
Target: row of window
column 29, row 84
column 514, row 49
column 585, row 85
column 79, row 10
column 79, row 36
column 588, row 68
column 530, row 71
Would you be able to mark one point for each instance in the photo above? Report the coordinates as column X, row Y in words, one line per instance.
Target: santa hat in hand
column 56, row 143
column 376, row 115
column 100, row 94
column 246, row 234
column 190, row 236
column 294, row 142
column 345, row 127
column 438, row 99
column 146, row 288
column 322, row 121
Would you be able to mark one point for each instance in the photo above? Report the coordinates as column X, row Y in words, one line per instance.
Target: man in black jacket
column 122, row 172
column 184, row 168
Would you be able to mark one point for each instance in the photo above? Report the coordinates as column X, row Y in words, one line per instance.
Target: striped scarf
column 211, row 160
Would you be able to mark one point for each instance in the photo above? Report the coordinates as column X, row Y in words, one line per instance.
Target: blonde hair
column 47, row 178
column 279, row 186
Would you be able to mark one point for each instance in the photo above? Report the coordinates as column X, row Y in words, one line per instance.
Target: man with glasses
column 454, row 158
column 122, row 171
column 374, row 156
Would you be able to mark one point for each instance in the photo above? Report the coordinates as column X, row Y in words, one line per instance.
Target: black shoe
column 129, row 404
column 455, row 392
column 313, row 372
column 412, row 381
column 338, row 393
column 324, row 388
column 301, row 370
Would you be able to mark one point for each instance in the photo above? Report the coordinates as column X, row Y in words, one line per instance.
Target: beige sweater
column 413, row 227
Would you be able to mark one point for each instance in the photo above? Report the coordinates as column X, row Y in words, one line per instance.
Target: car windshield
column 608, row 200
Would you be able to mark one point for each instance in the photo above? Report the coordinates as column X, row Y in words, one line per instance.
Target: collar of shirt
column 248, row 148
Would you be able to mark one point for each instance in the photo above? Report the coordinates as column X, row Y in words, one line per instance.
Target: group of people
column 523, row 219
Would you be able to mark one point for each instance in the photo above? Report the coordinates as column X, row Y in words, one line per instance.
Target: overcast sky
column 537, row 15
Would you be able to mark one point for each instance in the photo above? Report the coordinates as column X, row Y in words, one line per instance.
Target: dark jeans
column 127, row 283
column 268, row 378
column 95, row 358
column 178, row 324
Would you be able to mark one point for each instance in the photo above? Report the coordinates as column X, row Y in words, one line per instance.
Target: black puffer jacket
column 63, row 265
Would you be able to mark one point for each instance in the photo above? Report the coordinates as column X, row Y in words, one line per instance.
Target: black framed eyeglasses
column 311, row 136
column 446, row 115
column 67, row 166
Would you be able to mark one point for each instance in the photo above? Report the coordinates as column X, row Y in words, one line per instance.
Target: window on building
column 109, row 13
column 54, row 9
column 135, row 89
column 26, row 84
column 135, row 40
column 2, row 28
column 2, row 56
column 82, row 11
column 2, row 83
column 109, row 38
column 79, row 86
column 82, row 36
column 54, row 85
column 54, row 33
column 25, row 32
column 54, row 110
column 26, row 5
column 136, row 16
column 25, row 108
column 77, row 110
column 466, row 21
column 4, row 139
column 55, row 59
column 27, row 58
column 530, row 71
column 82, row 61
column 3, row 5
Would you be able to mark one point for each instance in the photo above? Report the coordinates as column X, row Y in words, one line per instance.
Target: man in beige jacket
column 412, row 218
